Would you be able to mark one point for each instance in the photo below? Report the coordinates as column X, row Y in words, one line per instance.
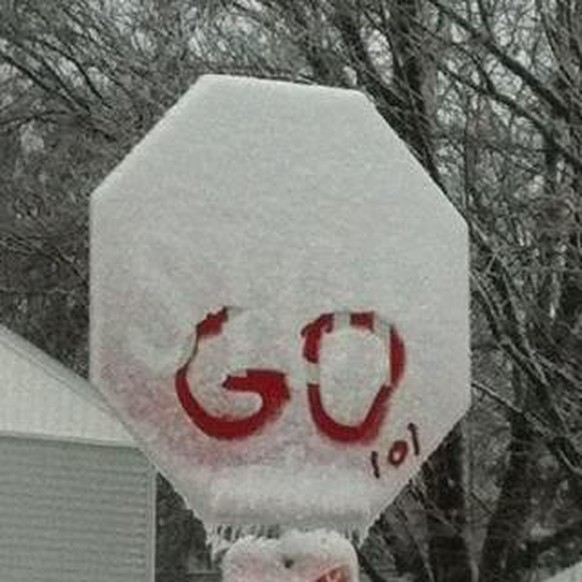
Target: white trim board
column 40, row 397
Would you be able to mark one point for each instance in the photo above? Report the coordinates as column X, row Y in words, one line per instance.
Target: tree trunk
column 449, row 554
column 506, row 526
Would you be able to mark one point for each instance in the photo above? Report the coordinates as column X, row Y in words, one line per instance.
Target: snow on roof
column 40, row 397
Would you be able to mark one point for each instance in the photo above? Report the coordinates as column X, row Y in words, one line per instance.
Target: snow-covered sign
column 279, row 304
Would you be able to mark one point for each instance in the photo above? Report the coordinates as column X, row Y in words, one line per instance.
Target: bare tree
column 82, row 81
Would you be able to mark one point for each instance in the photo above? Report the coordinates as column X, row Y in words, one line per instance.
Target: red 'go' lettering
column 368, row 429
column 272, row 387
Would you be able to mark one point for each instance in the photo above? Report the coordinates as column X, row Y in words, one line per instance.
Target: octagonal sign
column 279, row 304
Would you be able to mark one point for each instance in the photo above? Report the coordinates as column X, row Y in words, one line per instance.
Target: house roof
column 40, row 397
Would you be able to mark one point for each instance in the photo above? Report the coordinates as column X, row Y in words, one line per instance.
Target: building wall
column 72, row 512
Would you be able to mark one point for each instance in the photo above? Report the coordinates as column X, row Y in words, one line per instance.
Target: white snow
column 318, row 556
column 286, row 202
column 573, row 574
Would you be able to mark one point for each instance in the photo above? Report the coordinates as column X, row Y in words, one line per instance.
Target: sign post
column 279, row 306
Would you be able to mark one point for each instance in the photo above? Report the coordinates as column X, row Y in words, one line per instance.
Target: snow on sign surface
column 279, row 304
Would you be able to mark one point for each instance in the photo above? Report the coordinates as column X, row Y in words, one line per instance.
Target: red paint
column 341, row 574
column 367, row 430
column 212, row 324
column 272, row 388
column 270, row 385
column 398, row 453
column 364, row 432
column 363, row 320
column 397, row 356
column 313, row 332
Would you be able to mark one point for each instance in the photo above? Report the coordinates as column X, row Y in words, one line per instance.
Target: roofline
column 27, row 350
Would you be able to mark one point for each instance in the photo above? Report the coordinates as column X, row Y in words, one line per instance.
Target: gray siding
column 74, row 513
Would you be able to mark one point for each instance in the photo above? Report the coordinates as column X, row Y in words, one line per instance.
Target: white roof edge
column 16, row 343
column 47, row 437
column 74, row 410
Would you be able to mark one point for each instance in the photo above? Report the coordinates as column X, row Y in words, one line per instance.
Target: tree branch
column 487, row 41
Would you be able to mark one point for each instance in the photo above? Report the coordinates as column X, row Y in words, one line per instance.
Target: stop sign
column 279, row 304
